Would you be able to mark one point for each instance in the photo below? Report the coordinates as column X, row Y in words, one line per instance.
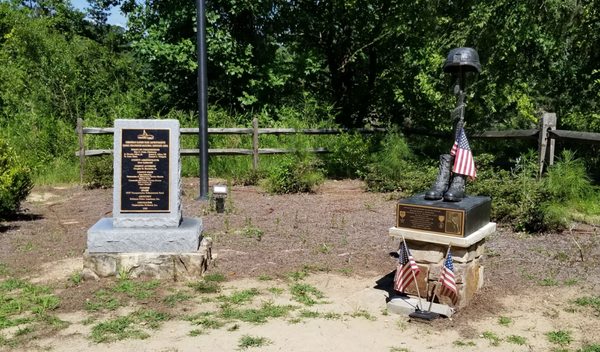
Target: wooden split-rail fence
column 546, row 134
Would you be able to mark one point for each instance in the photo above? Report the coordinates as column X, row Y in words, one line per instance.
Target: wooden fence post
column 81, row 148
column 255, row 144
column 546, row 144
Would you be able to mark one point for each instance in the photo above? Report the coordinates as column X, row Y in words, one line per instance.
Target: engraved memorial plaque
column 145, row 171
column 440, row 220
column 458, row 219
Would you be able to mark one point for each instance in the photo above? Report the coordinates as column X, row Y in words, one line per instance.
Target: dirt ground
column 338, row 235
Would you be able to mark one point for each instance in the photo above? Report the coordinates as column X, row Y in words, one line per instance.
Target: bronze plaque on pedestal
column 145, row 171
column 458, row 219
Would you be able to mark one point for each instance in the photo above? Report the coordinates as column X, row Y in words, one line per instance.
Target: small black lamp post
column 202, row 98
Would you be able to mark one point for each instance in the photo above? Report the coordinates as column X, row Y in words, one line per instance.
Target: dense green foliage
column 394, row 168
column 15, row 182
column 313, row 64
column 299, row 173
column 564, row 195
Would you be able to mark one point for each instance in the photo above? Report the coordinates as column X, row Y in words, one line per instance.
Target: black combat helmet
column 462, row 59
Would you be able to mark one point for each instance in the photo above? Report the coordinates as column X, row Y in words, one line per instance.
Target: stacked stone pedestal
column 429, row 251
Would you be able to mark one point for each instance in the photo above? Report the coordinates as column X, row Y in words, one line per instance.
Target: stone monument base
column 174, row 266
column 429, row 251
column 103, row 237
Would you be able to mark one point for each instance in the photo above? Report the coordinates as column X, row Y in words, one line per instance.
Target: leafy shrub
column 569, row 193
column 98, row 172
column 564, row 194
column 248, row 177
column 516, row 194
column 15, row 181
column 294, row 174
column 394, row 168
column 348, row 157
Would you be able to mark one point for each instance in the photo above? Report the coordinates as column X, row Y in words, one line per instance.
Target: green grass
column 117, row 329
column 361, row 313
column 215, row 277
column 248, row 341
column 310, row 314
column 331, row 316
column 590, row 348
column 240, row 297
column 265, row 278
column 306, row 294
column 175, row 298
column 139, row 290
column 252, row 232
column 504, row 321
column 517, row 340
column 399, row 349
column 103, row 300
column 589, row 301
column 206, row 320
column 461, row 343
column 19, row 297
column 205, row 286
column 255, row 315
column 128, row 327
column 195, row 332
column 4, row 270
column 570, row 282
column 560, row 337
column 276, row 290
column 298, row 275
column 492, row 338
column 76, row 278
column 548, row 282
column 150, row 318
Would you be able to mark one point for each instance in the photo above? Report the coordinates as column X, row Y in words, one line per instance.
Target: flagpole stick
column 413, row 274
column 440, row 278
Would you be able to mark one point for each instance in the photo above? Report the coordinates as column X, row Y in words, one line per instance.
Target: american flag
column 406, row 267
column 447, row 279
column 463, row 158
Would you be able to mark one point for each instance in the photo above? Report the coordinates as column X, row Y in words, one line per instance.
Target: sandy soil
column 339, row 235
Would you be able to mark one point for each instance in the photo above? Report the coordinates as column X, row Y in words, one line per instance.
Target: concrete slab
column 462, row 242
column 103, row 237
column 404, row 305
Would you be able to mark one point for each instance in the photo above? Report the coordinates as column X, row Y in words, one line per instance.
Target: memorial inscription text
column 145, row 170
column 440, row 220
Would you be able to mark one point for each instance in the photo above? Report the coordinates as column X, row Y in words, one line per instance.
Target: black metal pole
column 202, row 98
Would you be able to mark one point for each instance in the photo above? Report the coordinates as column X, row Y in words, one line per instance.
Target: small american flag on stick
column 463, row 157
column 406, row 267
column 447, row 279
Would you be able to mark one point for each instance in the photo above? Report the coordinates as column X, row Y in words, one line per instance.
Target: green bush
column 395, row 168
column 348, row 157
column 569, row 193
column 248, row 177
column 98, row 172
column 563, row 195
column 294, row 174
column 516, row 194
column 15, row 182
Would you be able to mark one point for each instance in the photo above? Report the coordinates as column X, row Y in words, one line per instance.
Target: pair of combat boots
column 449, row 186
